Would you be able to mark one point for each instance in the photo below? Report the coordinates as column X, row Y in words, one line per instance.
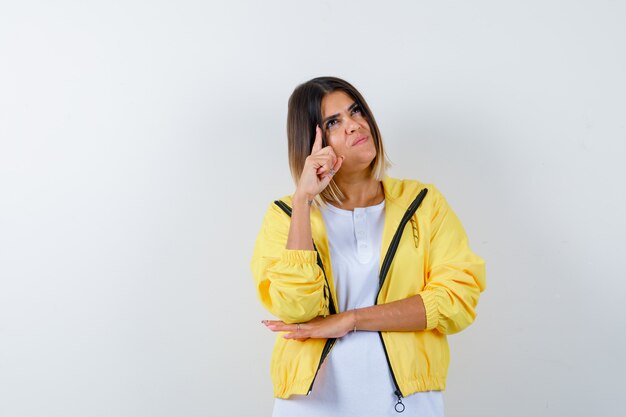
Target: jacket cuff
column 299, row 257
column 432, row 311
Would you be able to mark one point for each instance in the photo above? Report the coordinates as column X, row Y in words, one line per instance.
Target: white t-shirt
column 354, row 379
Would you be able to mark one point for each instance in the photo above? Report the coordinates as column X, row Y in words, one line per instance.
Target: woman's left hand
column 333, row 326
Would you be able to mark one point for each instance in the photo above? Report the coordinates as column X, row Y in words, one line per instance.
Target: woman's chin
column 356, row 167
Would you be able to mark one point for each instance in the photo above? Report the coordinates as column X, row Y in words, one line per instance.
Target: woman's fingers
column 317, row 144
column 321, row 161
column 319, row 167
column 327, row 176
column 296, row 331
column 338, row 163
column 325, row 160
column 320, row 327
column 279, row 326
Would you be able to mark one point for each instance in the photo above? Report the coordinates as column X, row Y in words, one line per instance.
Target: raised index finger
column 317, row 144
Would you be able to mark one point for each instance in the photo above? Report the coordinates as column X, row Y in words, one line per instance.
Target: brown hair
column 305, row 113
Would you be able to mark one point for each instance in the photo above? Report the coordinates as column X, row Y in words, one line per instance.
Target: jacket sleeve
column 455, row 277
column 289, row 283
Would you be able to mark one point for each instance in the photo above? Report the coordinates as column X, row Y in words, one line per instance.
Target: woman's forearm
column 300, row 235
column 408, row 314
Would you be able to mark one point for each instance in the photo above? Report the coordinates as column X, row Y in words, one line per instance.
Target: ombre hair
column 305, row 113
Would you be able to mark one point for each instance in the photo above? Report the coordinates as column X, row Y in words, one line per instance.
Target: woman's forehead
column 336, row 102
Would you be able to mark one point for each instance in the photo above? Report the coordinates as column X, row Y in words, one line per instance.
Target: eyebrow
column 334, row 116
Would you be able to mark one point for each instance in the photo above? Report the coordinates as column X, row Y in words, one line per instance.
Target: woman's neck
column 359, row 191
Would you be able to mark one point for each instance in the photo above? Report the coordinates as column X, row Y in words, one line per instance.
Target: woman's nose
column 352, row 125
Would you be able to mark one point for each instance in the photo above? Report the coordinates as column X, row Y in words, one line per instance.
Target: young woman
column 367, row 274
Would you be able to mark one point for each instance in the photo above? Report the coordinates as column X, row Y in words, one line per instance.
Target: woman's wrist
column 350, row 321
column 302, row 198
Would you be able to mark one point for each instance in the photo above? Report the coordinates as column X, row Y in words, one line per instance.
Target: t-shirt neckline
column 368, row 209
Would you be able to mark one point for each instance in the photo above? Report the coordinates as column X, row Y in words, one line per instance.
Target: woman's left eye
column 356, row 109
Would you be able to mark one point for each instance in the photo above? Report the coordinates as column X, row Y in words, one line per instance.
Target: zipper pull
column 399, row 405
column 326, row 301
column 415, row 234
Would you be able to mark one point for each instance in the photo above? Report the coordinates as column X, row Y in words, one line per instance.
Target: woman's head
column 344, row 116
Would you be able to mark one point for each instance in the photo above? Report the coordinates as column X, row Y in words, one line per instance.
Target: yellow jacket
column 433, row 259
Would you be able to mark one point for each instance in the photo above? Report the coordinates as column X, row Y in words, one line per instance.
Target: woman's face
column 347, row 131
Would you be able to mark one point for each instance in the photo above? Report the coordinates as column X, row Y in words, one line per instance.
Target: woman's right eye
column 331, row 123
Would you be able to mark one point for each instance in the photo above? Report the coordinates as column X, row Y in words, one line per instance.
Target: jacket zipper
column 331, row 303
column 393, row 247
column 332, row 310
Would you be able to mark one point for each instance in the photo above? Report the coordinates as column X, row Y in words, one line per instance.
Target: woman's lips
column 359, row 140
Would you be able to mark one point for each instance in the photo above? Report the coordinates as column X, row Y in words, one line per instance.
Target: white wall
column 142, row 141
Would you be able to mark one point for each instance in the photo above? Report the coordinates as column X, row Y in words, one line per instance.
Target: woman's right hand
column 319, row 168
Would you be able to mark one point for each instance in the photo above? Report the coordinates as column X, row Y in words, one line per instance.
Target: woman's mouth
column 359, row 140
